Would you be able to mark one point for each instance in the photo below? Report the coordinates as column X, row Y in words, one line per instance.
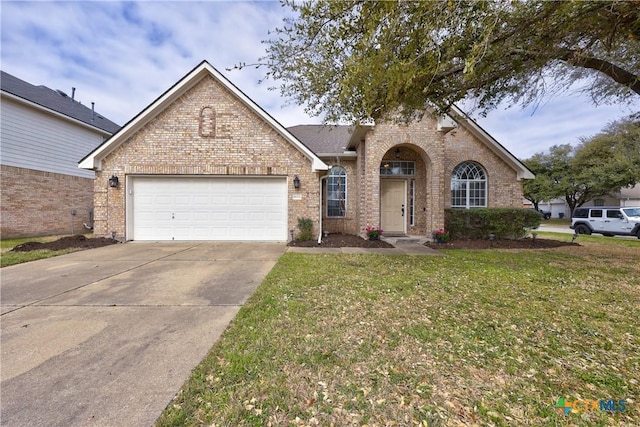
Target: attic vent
column 62, row 93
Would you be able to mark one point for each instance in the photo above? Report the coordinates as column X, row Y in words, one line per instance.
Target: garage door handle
column 172, row 216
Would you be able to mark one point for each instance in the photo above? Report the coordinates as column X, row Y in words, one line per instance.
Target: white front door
column 393, row 205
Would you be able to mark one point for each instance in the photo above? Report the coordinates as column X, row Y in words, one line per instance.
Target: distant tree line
column 600, row 165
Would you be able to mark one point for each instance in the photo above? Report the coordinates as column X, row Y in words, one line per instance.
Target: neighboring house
column 43, row 134
column 204, row 162
column 625, row 197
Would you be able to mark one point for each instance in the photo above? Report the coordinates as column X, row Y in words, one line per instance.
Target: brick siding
column 503, row 188
column 37, row 203
column 233, row 140
column 435, row 154
column 208, row 131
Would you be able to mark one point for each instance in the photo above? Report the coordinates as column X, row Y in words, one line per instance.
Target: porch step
column 405, row 240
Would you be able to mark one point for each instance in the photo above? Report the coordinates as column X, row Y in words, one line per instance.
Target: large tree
column 599, row 165
column 359, row 60
column 542, row 187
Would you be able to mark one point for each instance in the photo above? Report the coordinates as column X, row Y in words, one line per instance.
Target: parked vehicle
column 545, row 214
column 606, row 220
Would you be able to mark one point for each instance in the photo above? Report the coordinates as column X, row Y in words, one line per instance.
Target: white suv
column 608, row 221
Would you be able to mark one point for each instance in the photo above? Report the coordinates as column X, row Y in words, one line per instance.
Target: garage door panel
column 191, row 208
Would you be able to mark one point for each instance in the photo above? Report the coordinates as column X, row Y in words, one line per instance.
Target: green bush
column 478, row 223
column 305, row 225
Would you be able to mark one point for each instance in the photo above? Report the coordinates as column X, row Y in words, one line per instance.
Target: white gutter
column 345, row 154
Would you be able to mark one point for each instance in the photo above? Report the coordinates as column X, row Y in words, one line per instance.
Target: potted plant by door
column 441, row 236
column 373, row 233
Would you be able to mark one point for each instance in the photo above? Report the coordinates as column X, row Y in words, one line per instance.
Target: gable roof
column 335, row 140
column 93, row 160
column 55, row 101
column 523, row 172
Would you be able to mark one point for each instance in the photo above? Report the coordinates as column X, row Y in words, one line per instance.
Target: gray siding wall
column 36, row 140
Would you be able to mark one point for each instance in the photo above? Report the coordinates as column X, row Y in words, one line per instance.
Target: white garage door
column 194, row 208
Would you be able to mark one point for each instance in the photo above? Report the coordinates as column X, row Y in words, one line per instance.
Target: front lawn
column 489, row 337
column 7, row 257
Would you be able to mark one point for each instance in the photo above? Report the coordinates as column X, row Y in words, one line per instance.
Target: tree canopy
column 360, row 60
column 600, row 165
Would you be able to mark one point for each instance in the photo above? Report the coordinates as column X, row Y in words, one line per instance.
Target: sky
column 123, row 55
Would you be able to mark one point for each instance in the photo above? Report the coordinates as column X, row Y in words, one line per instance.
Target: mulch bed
column 77, row 241
column 526, row 243
column 336, row 240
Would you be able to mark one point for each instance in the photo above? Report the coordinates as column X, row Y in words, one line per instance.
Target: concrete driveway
column 106, row 337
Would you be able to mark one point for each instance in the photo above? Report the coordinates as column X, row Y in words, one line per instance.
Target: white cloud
column 122, row 56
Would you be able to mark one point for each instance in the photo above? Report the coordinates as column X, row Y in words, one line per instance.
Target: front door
column 393, row 205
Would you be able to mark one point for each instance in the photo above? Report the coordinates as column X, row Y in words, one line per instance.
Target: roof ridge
column 55, row 100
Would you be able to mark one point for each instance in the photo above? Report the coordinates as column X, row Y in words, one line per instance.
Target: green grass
column 471, row 338
column 557, row 222
column 8, row 258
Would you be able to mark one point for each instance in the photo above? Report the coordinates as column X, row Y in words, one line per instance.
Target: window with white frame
column 400, row 167
column 468, row 186
column 412, row 202
column 337, row 192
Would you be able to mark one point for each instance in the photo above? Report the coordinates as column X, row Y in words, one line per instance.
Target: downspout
column 320, row 213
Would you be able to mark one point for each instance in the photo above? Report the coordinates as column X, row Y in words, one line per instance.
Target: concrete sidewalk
column 106, row 337
column 555, row 229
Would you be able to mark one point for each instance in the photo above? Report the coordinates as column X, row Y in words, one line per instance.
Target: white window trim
column 467, row 184
column 346, row 189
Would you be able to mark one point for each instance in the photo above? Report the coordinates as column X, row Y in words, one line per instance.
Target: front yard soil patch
column 337, row 240
column 68, row 242
column 526, row 243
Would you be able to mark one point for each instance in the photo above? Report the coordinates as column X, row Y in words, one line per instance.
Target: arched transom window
column 468, row 186
column 337, row 192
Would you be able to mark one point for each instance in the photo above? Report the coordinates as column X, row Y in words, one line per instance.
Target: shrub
column 305, row 225
column 478, row 223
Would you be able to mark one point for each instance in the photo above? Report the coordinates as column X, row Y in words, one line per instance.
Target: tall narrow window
column 412, row 197
column 337, row 192
column 468, row 186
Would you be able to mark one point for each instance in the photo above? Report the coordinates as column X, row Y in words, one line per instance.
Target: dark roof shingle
column 323, row 139
column 56, row 101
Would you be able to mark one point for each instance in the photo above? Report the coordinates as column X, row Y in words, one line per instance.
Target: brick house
column 204, row 162
column 44, row 132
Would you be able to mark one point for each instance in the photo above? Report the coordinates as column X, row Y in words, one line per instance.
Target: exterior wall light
column 113, row 181
column 296, row 182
